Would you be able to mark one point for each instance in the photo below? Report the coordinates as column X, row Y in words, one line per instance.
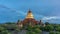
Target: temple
column 29, row 20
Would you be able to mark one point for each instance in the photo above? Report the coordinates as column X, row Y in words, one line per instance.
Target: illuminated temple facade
column 29, row 20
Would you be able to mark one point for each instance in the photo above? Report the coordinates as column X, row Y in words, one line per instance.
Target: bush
column 51, row 32
column 57, row 32
column 58, row 29
column 49, row 28
column 33, row 30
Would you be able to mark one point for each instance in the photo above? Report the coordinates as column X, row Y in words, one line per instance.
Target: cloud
column 9, row 14
column 7, row 9
column 50, row 18
column 3, row 6
column 21, row 13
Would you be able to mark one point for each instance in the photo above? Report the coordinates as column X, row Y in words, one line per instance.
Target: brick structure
column 29, row 20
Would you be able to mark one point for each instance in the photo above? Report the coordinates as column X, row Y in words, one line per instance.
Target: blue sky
column 46, row 10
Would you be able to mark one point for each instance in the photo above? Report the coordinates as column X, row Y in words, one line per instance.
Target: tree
column 57, row 32
column 42, row 28
column 46, row 23
column 58, row 29
column 51, row 32
column 33, row 30
column 5, row 32
column 49, row 28
column 2, row 29
column 30, row 32
column 10, row 23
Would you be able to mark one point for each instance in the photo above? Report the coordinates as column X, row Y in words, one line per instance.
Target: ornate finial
column 29, row 11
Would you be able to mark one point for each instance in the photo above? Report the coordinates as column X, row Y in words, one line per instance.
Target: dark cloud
column 11, row 10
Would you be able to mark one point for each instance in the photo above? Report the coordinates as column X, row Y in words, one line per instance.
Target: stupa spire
column 29, row 15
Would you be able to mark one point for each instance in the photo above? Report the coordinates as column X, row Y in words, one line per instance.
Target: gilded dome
column 29, row 15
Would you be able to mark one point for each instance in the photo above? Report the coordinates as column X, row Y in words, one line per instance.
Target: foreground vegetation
column 8, row 27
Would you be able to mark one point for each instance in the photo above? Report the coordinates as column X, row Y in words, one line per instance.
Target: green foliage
column 2, row 29
column 51, row 32
column 33, row 30
column 16, row 28
column 42, row 28
column 57, row 32
column 10, row 23
column 46, row 23
column 49, row 28
column 37, row 29
column 5, row 32
column 30, row 32
column 58, row 29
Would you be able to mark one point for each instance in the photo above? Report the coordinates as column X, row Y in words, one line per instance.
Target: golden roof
column 29, row 15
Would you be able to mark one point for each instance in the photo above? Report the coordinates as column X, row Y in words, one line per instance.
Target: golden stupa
column 29, row 15
column 29, row 19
